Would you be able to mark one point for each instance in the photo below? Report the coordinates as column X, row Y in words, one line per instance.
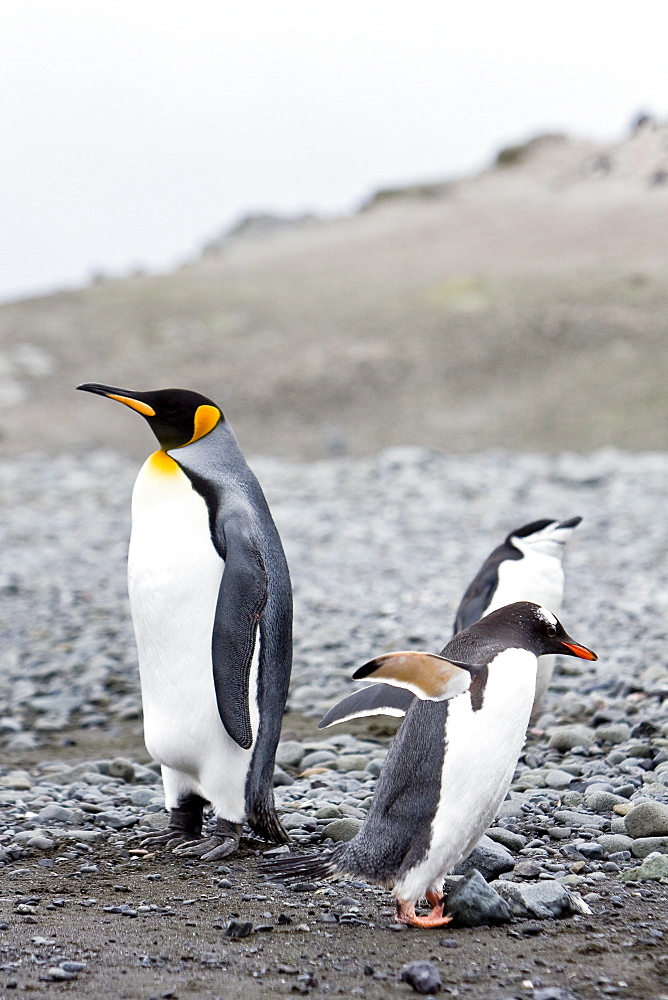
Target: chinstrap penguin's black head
column 545, row 536
column 176, row 416
column 528, row 626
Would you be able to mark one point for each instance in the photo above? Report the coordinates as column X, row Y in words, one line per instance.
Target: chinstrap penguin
column 212, row 612
column 452, row 760
column 525, row 567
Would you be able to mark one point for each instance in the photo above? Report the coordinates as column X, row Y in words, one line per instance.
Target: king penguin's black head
column 176, row 416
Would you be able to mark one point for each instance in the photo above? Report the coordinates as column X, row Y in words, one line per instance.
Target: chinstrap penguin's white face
column 549, row 540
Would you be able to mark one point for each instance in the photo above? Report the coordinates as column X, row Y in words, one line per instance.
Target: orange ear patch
column 206, row 418
column 425, row 674
column 135, row 404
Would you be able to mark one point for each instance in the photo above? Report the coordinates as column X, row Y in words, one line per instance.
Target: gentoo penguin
column 212, row 611
column 525, row 567
column 452, row 760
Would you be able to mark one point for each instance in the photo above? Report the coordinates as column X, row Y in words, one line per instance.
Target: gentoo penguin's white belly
column 174, row 575
column 481, row 752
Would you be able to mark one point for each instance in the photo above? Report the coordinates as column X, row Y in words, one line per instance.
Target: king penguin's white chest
column 174, row 575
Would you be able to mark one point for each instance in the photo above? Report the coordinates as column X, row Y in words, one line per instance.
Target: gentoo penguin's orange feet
column 223, row 841
column 406, row 914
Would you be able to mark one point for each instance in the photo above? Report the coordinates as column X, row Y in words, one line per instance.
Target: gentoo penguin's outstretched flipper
column 211, row 606
column 241, row 600
column 450, row 764
column 426, row 675
column 379, row 699
column 526, row 566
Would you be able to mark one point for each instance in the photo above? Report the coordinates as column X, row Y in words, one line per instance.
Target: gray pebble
column 644, row 846
column 342, row 829
column 648, row 819
column 564, row 738
column 423, row 977
column 473, row 902
column 289, row 753
column 540, row 899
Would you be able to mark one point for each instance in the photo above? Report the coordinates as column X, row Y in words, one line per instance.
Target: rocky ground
column 380, row 551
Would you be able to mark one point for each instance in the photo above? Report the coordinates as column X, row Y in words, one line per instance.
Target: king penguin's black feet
column 223, row 841
column 185, row 824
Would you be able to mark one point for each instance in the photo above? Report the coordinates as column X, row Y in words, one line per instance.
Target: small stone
column 648, row 819
column 653, row 868
column 473, row 903
column 577, row 820
column 59, row 975
column 156, row 821
column 293, row 821
column 488, row 857
column 289, row 753
column 644, row 846
column 423, row 977
column 121, row 768
column 352, row 762
column 558, row 779
column 239, row 928
column 40, row 842
column 342, row 829
column 53, row 813
column 513, row 841
column 116, row 820
column 281, row 778
column 614, row 842
column 19, row 780
column 541, row 899
column 328, row 812
column 613, row 733
column 318, row 757
column 527, row 869
column 602, row 802
column 552, row 993
column 563, row 738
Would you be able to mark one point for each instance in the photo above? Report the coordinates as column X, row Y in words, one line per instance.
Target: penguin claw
column 210, row 849
column 170, row 838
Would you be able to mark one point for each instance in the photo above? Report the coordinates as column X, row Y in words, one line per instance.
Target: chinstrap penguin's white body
column 452, row 760
column 527, row 566
column 212, row 612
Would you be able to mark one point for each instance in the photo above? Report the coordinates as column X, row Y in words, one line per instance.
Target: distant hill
column 524, row 308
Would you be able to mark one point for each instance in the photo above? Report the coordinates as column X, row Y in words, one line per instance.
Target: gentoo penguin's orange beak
column 428, row 676
column 581, row 651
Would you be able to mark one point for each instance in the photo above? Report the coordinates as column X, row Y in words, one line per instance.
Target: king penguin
column 211, row 606
column 452, row 761
column 527, row 566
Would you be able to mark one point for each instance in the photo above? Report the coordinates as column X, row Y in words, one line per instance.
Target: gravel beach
column 380, row 551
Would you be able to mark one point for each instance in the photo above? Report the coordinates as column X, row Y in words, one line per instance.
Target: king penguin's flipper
column 241, row 599
column 379, row 699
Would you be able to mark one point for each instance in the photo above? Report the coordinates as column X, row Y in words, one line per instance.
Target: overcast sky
column 134, row 131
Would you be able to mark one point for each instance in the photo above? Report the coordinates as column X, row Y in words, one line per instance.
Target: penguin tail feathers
column 307, row 866
column 263, row 820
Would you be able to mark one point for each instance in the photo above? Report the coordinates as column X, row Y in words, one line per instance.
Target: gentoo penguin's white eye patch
column 547, row 616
